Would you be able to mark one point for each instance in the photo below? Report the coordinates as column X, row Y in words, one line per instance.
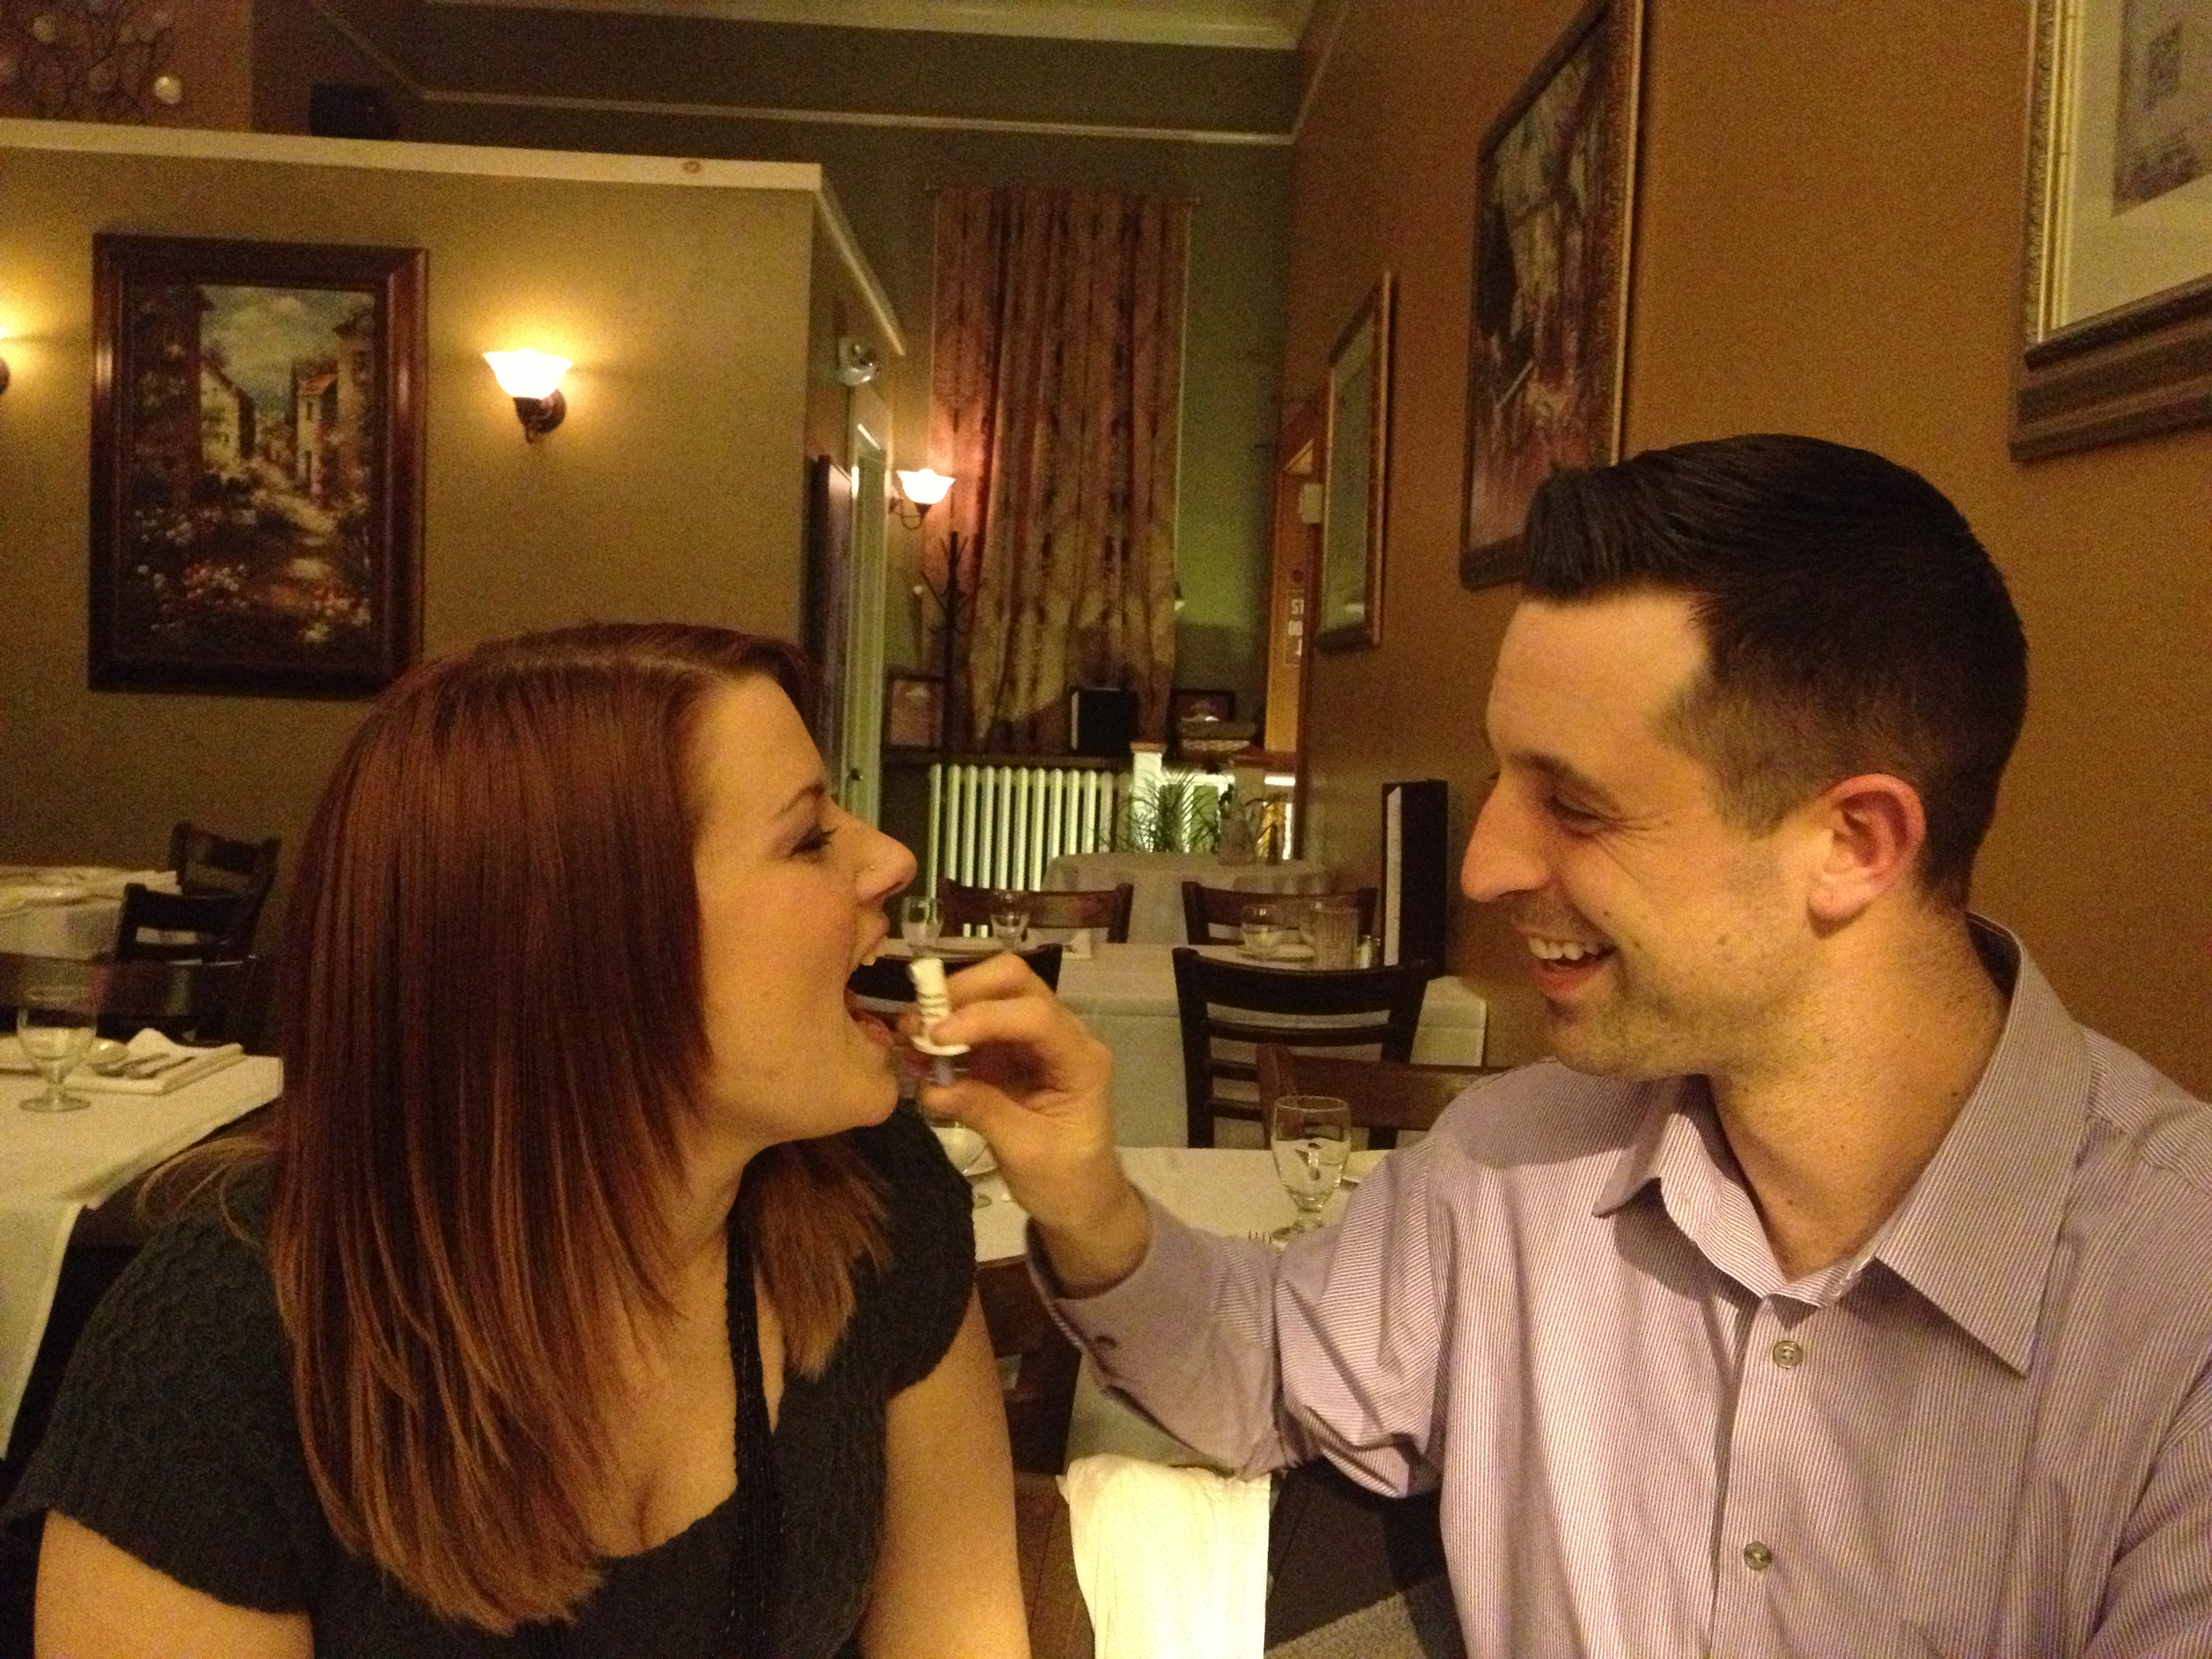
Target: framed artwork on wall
column 256, row 466
column 1555, row 196
column 2117, row 283
column 1355, row 477
column 914, row 711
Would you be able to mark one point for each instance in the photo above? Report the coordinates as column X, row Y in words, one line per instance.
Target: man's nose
column 1502, row 855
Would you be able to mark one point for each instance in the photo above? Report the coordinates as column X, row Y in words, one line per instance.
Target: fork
column 153, row 1064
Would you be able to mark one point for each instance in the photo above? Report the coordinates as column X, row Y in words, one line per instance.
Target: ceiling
column 1268, row 24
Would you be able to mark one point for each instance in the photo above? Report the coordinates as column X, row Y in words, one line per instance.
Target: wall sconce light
column 533, row 379
column 919, row 492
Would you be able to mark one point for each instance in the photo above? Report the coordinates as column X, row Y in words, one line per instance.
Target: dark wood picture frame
column 1356, row 476
column 1547, row 355
column 914, row 713
column 2114, row 345
column 256, row 497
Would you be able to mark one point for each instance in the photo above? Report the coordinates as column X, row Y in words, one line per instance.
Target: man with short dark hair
column 1838, row 1294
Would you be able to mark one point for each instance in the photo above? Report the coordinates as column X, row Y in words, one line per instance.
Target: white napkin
column 148, row 1043
column 1173, row 1562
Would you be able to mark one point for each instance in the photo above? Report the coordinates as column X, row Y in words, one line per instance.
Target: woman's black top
column 175, row 1438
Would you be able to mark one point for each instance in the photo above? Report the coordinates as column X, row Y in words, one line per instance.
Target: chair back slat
column 158, row 926
column 1386, row 1096
column 211, row 1001
column 206, row 862
column 1106, row 908
column 1216, row 1003
column 1215, row 915
column 885, row 980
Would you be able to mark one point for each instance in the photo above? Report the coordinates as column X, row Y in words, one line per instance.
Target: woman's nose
column 887, row 865
column 1502, row 855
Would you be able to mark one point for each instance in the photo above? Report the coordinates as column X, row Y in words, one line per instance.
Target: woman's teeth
column 1566, row 950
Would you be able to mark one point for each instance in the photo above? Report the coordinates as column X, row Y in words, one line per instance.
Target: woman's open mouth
column 872, row 1024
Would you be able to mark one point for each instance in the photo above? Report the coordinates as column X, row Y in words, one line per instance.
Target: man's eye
column 1571, row 816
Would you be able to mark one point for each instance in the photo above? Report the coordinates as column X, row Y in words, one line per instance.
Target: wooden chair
column 1214, row 915
column 1227, row 1009
column 1106, row 907
column 158, row 926
column 885, row 980
column 1041, row 1396
column 198, row 1001
column 1386, row 1096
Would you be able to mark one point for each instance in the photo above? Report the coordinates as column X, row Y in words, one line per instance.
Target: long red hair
column 492, row 1032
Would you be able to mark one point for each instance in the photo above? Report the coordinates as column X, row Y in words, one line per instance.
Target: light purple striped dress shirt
column 1989, row 1433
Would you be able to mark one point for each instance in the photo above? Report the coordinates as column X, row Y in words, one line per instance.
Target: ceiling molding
column 847, row 117
column 1258, row 25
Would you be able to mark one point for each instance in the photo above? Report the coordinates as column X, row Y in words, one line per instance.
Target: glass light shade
column 924, row 488
column 527, row 373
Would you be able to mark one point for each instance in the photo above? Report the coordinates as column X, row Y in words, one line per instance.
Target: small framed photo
column 914, row 711
column 1187, row 703
column 257, row 465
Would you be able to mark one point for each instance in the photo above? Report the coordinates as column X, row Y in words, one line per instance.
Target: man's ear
column 1873, row 828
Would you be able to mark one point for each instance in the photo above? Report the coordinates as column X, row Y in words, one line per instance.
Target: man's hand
column 1039, row 1088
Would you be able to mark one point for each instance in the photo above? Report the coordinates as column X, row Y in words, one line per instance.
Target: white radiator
column 998, row 826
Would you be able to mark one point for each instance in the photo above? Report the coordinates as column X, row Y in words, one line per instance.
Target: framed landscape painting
column 1554, row 199
column 2117, row 278
column 256, row 465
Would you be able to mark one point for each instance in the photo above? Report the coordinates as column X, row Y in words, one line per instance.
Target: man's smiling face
column 1665, row 939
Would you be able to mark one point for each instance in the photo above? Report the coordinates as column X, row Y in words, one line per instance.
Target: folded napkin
column 109, row 884
column 145, row 1046
column 1173, row 1563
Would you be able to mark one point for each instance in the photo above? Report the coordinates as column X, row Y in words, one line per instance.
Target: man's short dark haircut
column 1852, row 622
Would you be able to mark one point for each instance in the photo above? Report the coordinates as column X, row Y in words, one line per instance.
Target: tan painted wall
column 1829, row 242
column 673, row 488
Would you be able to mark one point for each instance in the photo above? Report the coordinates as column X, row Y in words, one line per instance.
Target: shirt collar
column 1975, row 1233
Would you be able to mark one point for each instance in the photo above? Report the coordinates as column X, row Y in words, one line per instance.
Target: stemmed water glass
column 965, row 1149
column 1010, row 920
column 919, row 922
column 1310, row 1136
column 57, row 1040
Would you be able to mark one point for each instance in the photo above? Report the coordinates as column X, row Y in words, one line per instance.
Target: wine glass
column 57, row 1040
column 1310, row 1136
column 1010, row 920
column 1262, row 931
column 919, row 921
column 965, row 1149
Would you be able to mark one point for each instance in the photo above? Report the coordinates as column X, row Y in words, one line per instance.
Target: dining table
column 1156, row 908
column 54, row 1166
column 1125, row 994
column 67, row 910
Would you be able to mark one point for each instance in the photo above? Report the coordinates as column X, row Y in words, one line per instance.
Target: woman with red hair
column 587, row 1295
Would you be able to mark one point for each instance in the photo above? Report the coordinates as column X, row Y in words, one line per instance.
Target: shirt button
column 1788, row 1353
column 1757, row 1556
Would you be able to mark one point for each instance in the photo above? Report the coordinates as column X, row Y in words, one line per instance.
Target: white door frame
column 860, row 760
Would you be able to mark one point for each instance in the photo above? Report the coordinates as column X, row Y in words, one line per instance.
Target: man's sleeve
column 2158, row 1599
column 1258, row 1360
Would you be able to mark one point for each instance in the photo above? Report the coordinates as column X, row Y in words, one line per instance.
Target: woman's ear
column 1873, row 828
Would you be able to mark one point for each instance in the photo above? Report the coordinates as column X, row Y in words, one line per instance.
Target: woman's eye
column 814, row 840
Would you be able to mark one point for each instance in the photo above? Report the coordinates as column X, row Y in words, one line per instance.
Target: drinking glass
column 1334, row 931
column 919, row 921
column 57, row 1041
column 1010, row 920
column 1310, row 1136
column 1263, row 930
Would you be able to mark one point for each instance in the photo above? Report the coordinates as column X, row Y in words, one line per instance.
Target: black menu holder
column 1415, row 869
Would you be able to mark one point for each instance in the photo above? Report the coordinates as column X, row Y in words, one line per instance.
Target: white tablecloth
column 53, row 1165
column 1125, row 994
column 1156, row 909
column 81, row 928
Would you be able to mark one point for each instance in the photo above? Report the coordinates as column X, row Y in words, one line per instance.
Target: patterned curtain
column 1056, row 399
